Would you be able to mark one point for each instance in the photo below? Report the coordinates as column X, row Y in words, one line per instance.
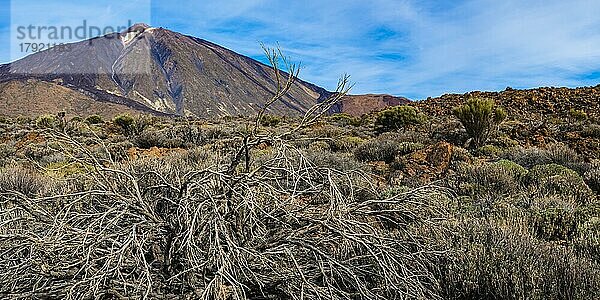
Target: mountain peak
column 165, row 72
column 133, row 32
column 138, row 27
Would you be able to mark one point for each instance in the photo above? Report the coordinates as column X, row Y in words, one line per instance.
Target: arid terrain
column 155, row 165
column 335, row 206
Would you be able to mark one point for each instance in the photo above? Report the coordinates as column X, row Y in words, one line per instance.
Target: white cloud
column 405, row 47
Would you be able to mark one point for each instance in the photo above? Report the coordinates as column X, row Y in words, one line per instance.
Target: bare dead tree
column 280, row 227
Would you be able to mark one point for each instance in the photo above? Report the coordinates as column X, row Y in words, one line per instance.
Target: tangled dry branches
column 279, row 227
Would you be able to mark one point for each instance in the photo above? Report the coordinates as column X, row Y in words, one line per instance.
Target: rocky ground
column 516, row 218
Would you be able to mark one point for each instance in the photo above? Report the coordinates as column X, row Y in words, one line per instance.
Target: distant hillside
column 358, row 105
column 537, row 117
column 530, row 103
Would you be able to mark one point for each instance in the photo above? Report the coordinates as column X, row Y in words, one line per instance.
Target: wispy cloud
column 404, row 47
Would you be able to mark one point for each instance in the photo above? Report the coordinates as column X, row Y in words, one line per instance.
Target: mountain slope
column 35, row 97
column 157, row 70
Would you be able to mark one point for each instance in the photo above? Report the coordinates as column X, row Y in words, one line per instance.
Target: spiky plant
column 480, row 118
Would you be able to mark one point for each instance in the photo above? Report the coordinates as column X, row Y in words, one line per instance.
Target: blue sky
column 409, row 48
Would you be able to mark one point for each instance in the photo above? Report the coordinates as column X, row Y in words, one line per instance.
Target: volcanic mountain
column 150, row 70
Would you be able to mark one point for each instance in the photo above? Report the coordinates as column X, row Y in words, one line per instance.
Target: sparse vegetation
column 311, row 207
column 378, row 150
column 578, row 115
column 270, row 120
column 125, row 122
column 46, row 121
column 94, row 119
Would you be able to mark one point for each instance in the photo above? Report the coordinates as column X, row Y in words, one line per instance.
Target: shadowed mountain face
column 164, row 72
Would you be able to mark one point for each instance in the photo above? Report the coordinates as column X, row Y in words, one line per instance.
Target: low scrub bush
column 344, row 119
column 319, row 146
column 528, row 157
column 24, row 181
column 398, row 117
column 153, row 138
column 587, row 242
column 577, row 115
column 94, row 119
column 46, row 121
column 377, row 150
column 124, row 121
column 554, row 224
column 270, row 120
column 554, row 153
column 490, row 179
column 460, row 154
column 560, row 180
column 131, row 126
column 499, row 261
column 7, row 151
column 347, row 143
column 516, row 170
column 489, row 150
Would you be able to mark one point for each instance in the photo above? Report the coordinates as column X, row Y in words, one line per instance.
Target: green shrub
column 46, row 121
column 65, row 169
column 23, row 120
column 94, row 119
column 346, row 120
column 189, row 135
column 78, row 128
column 460, row 154
column 377, row 150
column 489, row 150
column 489, row 179
column 480, row 119
column 557, row 179
column 152, row 138
column 132, row 125
column 552, row 170
column 319, row 146
column 528, row 157
column 347, row 143
column 588, row 240
column 555, row 224
column 398, row 117
column 124, row 121
column 554, row 153
column 409, row 147
column 512, row 167
column 577, row 115
column 270, row 120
